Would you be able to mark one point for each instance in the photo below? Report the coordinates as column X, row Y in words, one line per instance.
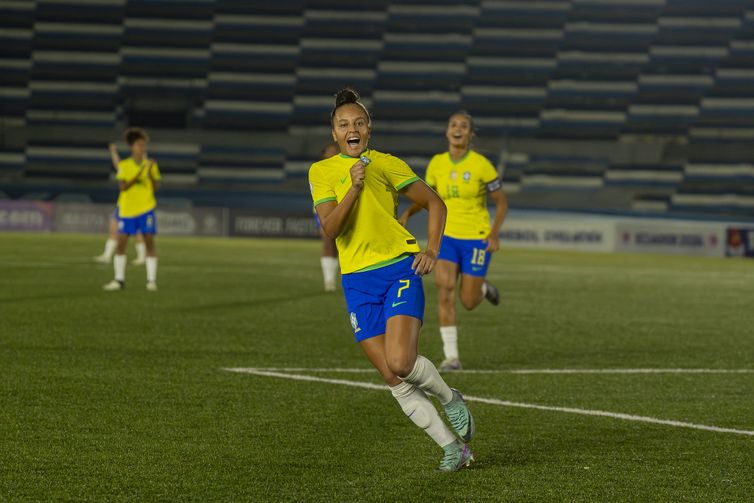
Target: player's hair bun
column 345, row 96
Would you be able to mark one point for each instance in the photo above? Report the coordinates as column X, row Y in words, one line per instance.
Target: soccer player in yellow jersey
column 355, row 194
column 112, row 237
column 464, row 179
column 138, row 178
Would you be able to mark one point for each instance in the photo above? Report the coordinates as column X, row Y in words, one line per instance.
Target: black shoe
column 492, row 295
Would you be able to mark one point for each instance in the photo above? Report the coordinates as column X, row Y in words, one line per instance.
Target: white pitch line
column 524, row 371
column 504, row 403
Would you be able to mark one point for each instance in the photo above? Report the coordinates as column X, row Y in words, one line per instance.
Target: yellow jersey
column 462, row 185
column 371, row 234
column 139, row 198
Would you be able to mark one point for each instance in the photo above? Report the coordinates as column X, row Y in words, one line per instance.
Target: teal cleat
column 456, row 457
column 460, row 416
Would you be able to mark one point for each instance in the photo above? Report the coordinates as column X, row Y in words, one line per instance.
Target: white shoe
column 450, row 365
column 114, row 285
column 138, row 261
column 152, row 286
column 102, row 259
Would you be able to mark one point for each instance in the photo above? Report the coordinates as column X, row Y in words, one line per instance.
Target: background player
column 112, row 238
column 329, row 259
column 138, row 178
column 464, row 179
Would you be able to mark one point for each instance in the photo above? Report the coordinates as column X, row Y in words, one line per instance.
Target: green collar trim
column 459, row 161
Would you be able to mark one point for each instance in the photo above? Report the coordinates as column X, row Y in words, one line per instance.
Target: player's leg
column 111, row 243
column 126, row 228
column 141, row 250
column 148, row 228
column 446, row 274
column 446, row 277
column 474, row 264
column 404, row 310
column 329, row 261
column 412, row 400
column 401, row 341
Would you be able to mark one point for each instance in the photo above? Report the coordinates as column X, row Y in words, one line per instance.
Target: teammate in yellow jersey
column 112, row 237
column 355, row 194
column 464, row 179
column 138, row 178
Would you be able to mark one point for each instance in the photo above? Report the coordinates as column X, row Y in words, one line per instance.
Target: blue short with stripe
column 372, row 297
column 471, row 255
column 146, row 223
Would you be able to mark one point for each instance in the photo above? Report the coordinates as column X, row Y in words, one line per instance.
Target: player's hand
column 493, row 243
column 424, row 262
column 113, row 149
column 358, row 174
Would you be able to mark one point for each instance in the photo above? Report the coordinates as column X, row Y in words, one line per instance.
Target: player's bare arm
column 423, row 196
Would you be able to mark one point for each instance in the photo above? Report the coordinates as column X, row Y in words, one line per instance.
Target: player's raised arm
column 114, row 157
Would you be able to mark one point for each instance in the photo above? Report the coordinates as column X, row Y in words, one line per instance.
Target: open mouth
column 353, row 141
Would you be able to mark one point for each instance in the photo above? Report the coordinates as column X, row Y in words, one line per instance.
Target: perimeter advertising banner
column 28, row 216
column 558, row 233
column 170, row 221
column 681, row 238
column 244, row 223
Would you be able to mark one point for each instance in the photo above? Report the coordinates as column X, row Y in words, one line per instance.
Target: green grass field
column 122, row 396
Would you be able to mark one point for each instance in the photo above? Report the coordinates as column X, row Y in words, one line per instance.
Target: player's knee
column 401, row 365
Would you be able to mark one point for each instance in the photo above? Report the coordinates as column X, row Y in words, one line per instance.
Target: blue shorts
column 372, row 297
column 471, row 255
column 145, row 223
column 316, row 221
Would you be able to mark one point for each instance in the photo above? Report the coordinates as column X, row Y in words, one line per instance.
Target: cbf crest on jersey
column 355, row 323
column 466, row 176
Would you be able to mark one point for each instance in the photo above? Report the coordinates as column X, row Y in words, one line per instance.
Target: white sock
column 426, row 377
column 330, row 267
column 119, row 264
column 484, row 289
column 420, row 410
column 449, row 341
column 110, row 246
column 151, row 269
column 141, row 251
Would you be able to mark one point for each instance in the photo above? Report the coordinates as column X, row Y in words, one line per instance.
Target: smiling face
column 459, row 131
column 351, row 130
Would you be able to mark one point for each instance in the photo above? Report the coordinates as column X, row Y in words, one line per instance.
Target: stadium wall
column 522, row 229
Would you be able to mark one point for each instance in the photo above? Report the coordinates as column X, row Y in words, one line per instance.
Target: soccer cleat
column 102, row 259
column 492, row 294
column 138, row 261
column 114, row 285
column 455, row 459
column 450, row 365
column 460, row 416
column 152, row 286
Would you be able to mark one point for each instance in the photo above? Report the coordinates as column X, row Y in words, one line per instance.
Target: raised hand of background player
column 424, row 262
